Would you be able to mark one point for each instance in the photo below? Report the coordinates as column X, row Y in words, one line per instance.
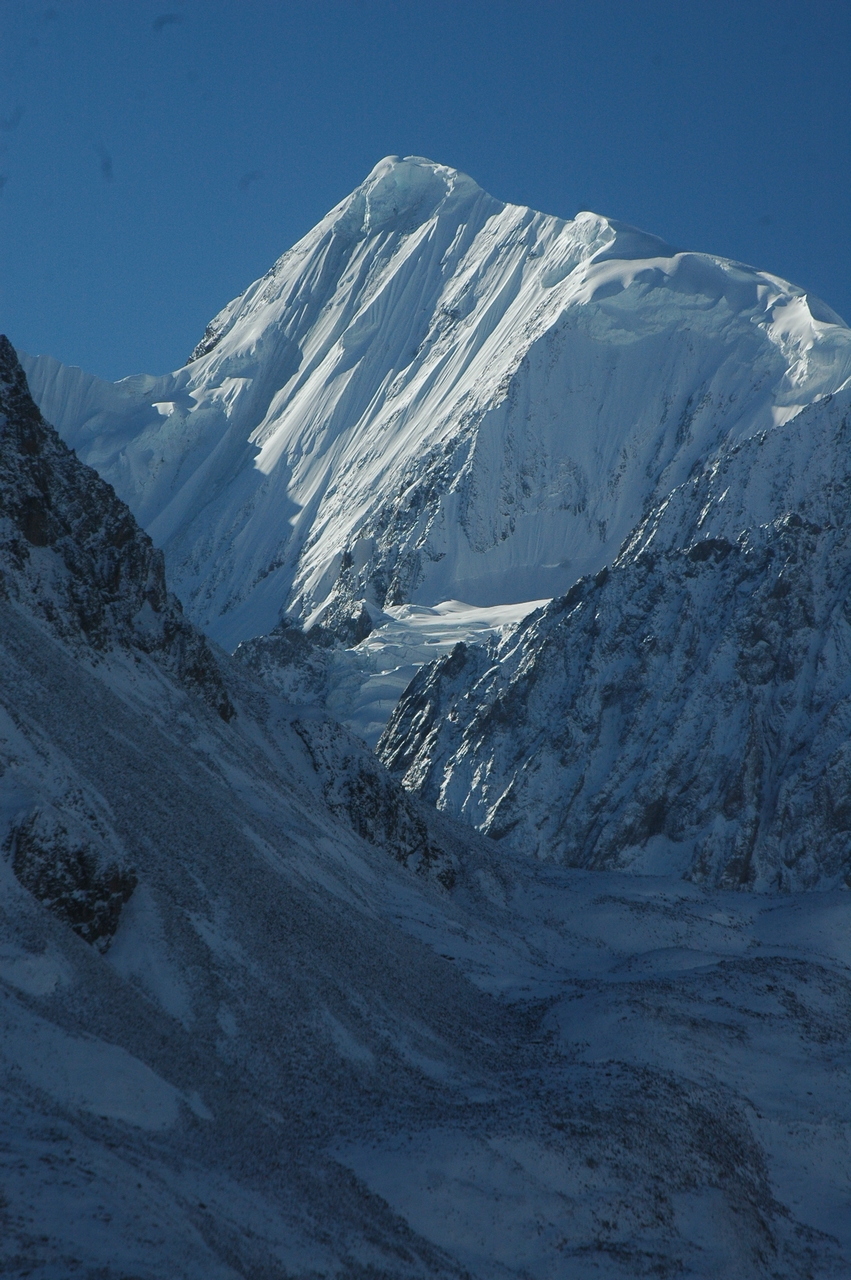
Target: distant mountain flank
column 687, row 711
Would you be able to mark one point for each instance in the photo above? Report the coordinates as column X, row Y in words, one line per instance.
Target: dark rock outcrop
column 357, row 788
column 73, row 868
column 73, row 557
column 76, row 552
column 291, row 661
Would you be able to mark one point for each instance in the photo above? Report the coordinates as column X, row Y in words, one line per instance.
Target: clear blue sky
column 158, row 157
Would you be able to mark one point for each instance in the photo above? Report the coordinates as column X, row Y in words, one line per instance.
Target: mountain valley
column 556, row 981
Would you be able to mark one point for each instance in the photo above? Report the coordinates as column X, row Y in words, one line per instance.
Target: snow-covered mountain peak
column 436, row 396
column 398, row 199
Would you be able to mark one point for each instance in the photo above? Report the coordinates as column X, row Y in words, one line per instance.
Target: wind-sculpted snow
column 438, row 396
column 688, row 711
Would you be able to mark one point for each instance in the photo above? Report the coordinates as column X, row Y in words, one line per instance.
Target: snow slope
column 437, row 396
column 327, row 1033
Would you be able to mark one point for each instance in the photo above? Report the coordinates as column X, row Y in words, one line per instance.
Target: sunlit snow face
column 485, row 396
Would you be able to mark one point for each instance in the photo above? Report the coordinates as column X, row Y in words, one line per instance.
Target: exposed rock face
column 73, row 556
column 688, row 710
column 292, row 661
column 301, row 665
column 74, row 550
column 358, row 788
column 75, row 869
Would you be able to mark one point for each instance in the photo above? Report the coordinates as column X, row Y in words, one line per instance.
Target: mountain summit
column 435, row 395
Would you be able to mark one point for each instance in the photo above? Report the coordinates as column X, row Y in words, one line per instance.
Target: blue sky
column 158, row 157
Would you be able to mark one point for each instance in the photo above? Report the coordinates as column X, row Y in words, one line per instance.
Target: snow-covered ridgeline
column 437, row 396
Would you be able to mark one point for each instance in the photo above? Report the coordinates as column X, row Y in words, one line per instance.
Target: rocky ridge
column 73, row 558
column 687, row 710
column 77, row 553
